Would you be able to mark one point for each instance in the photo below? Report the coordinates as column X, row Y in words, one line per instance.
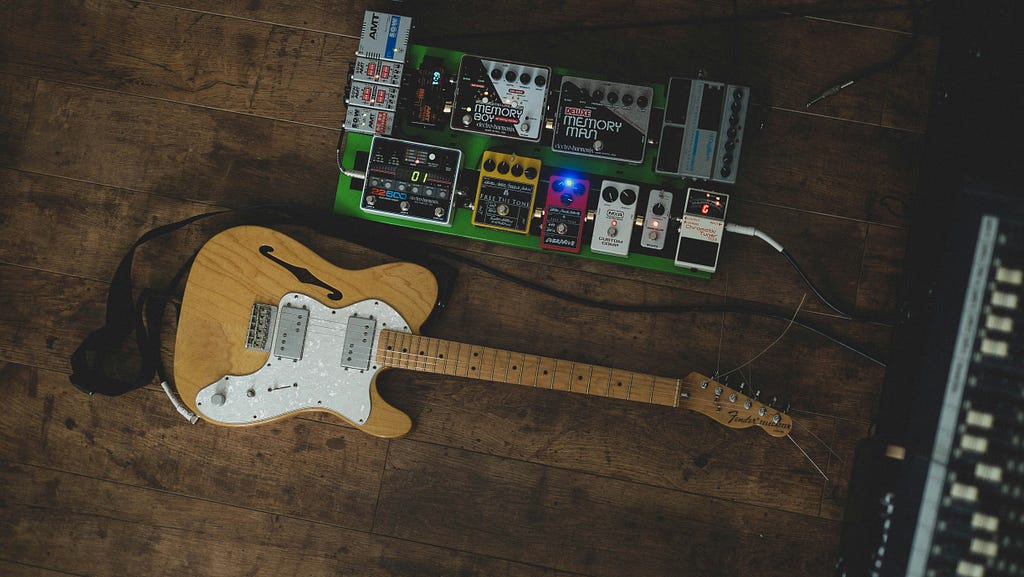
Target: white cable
column 751, row 231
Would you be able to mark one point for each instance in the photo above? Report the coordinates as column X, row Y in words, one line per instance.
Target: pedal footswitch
column 659, row 210
column 506, row 190
column 410, row 180
column 700, row 233
column 613, row 221
column 565, row 210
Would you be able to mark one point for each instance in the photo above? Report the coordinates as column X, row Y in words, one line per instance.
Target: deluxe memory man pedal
column 700, row 232
column 410, row 180
column 600, row 119
column 505, row 193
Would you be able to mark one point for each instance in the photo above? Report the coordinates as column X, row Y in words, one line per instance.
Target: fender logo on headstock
column 734, row 417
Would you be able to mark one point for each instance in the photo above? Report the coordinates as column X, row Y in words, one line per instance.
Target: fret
column 440, row 356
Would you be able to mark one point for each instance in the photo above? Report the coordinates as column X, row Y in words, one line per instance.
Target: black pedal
column 498, row 98
column 411, row 180
column 600, row 119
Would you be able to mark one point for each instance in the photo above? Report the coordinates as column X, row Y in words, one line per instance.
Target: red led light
column 615, row 223
column 655, row 224
column 704, row 209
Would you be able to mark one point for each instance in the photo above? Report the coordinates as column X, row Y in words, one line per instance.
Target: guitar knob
column 218, row 399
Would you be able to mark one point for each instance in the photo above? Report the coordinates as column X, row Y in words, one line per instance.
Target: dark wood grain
column 117, row 117
column 563, row 520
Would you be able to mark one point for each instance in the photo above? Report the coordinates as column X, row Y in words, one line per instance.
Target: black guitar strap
column 106, row 363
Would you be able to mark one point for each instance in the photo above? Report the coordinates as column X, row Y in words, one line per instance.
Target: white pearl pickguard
column 319, row 379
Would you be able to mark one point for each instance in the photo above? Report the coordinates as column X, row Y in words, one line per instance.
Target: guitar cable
column 734, row 308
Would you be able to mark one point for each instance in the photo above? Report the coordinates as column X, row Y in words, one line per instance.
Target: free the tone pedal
column 613, row 221
column 565, row 210
column 410, row 180
column 700, row 233
column 506, row 190
column 601, row 119
column 498, row 98
column 656, row 219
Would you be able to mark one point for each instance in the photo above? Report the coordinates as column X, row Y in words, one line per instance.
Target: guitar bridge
column 261, row 326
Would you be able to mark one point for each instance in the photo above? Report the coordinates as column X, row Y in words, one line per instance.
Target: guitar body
column 234, row 366
column 268, row 329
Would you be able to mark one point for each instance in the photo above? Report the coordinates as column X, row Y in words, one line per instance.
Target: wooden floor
column 118, row 116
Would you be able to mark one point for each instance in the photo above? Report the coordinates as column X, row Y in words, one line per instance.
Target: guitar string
column 423, row 362
column 808, row 457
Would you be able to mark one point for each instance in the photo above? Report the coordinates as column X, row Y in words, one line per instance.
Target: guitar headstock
column 730, row 407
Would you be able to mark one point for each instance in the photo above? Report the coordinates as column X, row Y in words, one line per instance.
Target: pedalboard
column 703, row 130
column 701, row 229
column 498, row 98
column 505, row 192
column 600, row 119
column 565, row 211
column 614, row 218
column 507, row 152
column 411, row 180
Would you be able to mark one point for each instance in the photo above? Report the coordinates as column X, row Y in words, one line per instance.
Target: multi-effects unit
column 537, row 156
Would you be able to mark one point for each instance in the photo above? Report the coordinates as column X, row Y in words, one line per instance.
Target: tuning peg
column 742, row 387
column 772, row 401
column 787, row 408
column 757, row 394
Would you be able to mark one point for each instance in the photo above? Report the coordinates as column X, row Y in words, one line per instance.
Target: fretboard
column 444, row 357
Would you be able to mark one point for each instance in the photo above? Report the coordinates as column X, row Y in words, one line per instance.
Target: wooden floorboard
column 119, row 116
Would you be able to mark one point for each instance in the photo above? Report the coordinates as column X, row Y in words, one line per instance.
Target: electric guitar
column 269, row 329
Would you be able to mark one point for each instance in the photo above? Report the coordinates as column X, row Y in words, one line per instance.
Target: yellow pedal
column 506, row 191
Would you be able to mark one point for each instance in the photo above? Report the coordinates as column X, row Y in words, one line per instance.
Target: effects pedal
column 703, row 130
column 505, row 193
column 613, row 221
column 369, row 120
column 370, row 95
column 377, row 71
column 700, row 233
column 384, row 36
column 411, row 180
column 498, row 98
column 656, row 220
column 605, row 120
column 565, row 210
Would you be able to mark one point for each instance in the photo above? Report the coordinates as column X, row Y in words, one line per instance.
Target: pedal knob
column 489, row 165
column 658, row 209
column 530, row 173
column 517, row 170
column 503, row 167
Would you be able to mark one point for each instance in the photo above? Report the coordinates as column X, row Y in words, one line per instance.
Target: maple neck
column 444, row 357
